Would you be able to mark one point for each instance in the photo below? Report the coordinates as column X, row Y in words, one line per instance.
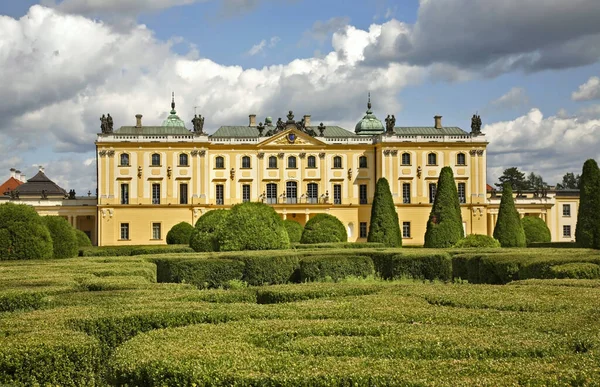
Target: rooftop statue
column 198, row 122
column 106, row 124
column 476, row 124
column 390, row 123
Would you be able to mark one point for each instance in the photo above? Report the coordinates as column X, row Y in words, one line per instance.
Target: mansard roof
column 429, row 131
column 39, row 183
column 252, row 132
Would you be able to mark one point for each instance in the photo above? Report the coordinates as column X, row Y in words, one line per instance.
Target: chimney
column 252, row 120
column 23, row 178
column 138, row 120
column 17, row 175
column 307, row 120
column 438, row 122
column 13, row 173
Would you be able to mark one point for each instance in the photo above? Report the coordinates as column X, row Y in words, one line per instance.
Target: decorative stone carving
column 386, row 152
column 476, row 125
column 472, row 152
column 261, row 129
column 349, row 173
column 394, row 152
column 480, row 152
column 202, row 153
column 260, row 155
column 106, row 124
column 194, row 152
column 139, row 172
column 321, row 128
column 110, row 153
column 280, row 155
column 302, row 155
column 169, row 171
column 198, row 122
column 232, row 173
column 102, row 153
column 390, row 123
column 322, row 155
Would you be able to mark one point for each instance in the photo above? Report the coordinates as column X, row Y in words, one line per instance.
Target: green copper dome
column 369, row 125
column 173, row 119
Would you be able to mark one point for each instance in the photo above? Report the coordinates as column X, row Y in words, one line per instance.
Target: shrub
column 384, row 226
column 339, row 245
column 207, row 230
column 203, row 273
column 335, row 267
column 509, row 229
column 294, row 230
column 125, row 251
column 430, row 266
column 324, row 228
column 477, row 240
column 180, row 234
column 588, row 229
column 82, row 239
column 578, row 270
column 64, row 240
column 266, row 270
column 536, row 230
column 253, row 226
column 444, row 227
column 23, row 234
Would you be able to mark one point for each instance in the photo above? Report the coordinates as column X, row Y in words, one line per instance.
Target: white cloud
column 515, row 97
column 588, row 91
column 550, row 146
column 322, row 30
column 260, row 47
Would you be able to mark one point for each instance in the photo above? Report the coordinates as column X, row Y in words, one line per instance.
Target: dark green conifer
column 509, row 229
column 384, row 226
column 444, row 227
column 587, row 232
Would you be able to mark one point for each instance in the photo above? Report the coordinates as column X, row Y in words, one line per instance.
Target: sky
column 530, row 68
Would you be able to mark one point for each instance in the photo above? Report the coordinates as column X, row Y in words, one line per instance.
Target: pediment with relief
column 291, row 137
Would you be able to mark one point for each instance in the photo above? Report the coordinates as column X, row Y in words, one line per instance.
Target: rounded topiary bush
column 205, row 235
column 82, row 239
column 253, row 226
column 23, row 233
column 324, row 228
column 180, row 234
column 536, row 230
column 294, row 230
column 478, row 240
column 64, row 240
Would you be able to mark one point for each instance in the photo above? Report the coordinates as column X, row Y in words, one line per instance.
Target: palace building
column 153, row 177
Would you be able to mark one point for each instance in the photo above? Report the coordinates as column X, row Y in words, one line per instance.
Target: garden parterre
column 99, row 321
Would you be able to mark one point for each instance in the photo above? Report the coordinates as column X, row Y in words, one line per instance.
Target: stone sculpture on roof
column 198, row 122
column 476, row 124
column 106, row 124
column 390, row 123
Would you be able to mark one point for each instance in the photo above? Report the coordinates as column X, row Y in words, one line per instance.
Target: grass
column 106, row 321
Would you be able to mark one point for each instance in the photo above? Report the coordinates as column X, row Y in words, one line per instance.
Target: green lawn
column 102, row 320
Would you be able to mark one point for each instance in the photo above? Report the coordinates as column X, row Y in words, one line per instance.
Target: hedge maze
column 372, row 316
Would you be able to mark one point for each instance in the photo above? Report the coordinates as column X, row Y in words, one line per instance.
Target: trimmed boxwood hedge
column 126, row 251
column 477, row 240
column 65, row 244
column 82, row 239
column 335, row 267
column 203, row 273
column 294, row 230
column 180, row 234
column 324, row 228
column 578, row 270
column 269, row 270
column 430, row 266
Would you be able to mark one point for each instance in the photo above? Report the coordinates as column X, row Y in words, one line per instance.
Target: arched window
column 362, row 162
column 292, row 162
column 312, row 193
column 183, row 160
column 312, row 162
column 272, row 162
column 246, row 162
column 219, row 162
column 155, row 160
column 405, row 158
column 337, row 162
column 291, row 192
column 432, row 159
column 461, row 159
column 124, row 160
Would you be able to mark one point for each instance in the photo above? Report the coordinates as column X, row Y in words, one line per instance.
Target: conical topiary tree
column 509, row 229
column 589, row 206
column 444, row 227
column 384, row 227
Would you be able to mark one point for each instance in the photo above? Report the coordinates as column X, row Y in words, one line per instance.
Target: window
column 183, row 160
column 312, row 162
column 432, row 190
column 363, row 194
column 405, row 229
column 363, row 230
column 272, row 162
column 406, row 193
column 432, row 159
column 155, row 160
column 291, row 162
column 337, row 162
column 219, row 162
column 125, row 231
column 124, row 193
column 405, row 158
column 362, row 162
column 246, row 193
column 566, row 210
column 462, row 196
column 155, row 193
column 219, row 194
column 245, row 162
column 291, row 192
column 312, row 193
column 183, row 193
column 271, row 193
column 461, row 159
column 124, row 160
column 155, row 230
column 567, row 231
column 337, row 194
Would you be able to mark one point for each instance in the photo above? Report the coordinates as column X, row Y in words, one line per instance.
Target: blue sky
column 533, row 79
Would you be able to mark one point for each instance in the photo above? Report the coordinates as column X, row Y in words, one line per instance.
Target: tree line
column 519, row 181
